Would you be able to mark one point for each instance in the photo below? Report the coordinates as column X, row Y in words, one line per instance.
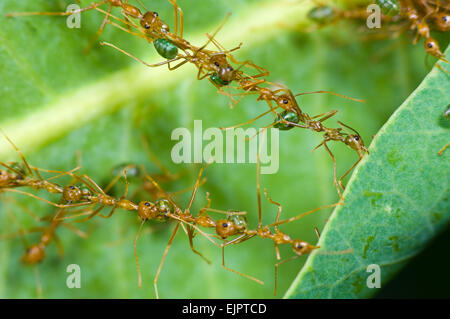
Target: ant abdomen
column 35, row 254
column 5, row 178
column 239, row 220
column 165, row 207
column 389, row 7
column 286, row 116
column 166, row 48
column 217, row 80
column 322, row 14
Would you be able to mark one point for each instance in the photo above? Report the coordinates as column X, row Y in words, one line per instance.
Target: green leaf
column 396, row 202
column 58, row 103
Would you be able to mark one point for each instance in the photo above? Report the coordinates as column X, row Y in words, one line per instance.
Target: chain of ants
column 420, row 16
column 215, row 66
column 84, row 192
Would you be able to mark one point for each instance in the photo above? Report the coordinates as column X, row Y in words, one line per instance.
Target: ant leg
column 443, row 149
column 334, row 171
column 136, row 256
column 68, row 13
column 280, row 208
column 258, row 185
column 58, row 172
column 58, row 245
column 176, row 10
column 237, row 272
column 75, row 230
column 191, row 244
column 155, row 281
column 28, row 211
column 349, row 170
column 246, row 123
column 285, row 221
column 99, row 31
column 116, row 178
column 37, row 278
column 18, row 152
column 333, row 93
column 167, row 195
column 316, row 230
column 139, row 60
column 207, row 236
column 90, row 180
column 214, row 34
column 325, row 115
column 171, row 68
column 261, row 131
column 84, row 213
column 276, row 271
column 196, row 186
column 155, row 159
column 43, row 199
column 277, row 250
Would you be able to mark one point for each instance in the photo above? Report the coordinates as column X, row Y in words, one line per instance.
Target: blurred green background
column 42, row 62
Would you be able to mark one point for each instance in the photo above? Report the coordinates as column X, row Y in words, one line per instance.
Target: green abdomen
column 165, row 48
column 389, row 7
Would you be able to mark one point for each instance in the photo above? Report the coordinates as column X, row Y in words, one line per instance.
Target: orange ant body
column 213, row 65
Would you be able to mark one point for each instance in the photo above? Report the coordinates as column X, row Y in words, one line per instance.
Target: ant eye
column 225, row 225
column 147, row 204
column 285, row 101
column 230, row 68
column 216, row 63
column 300, row 246
column 147, row 26
column 445, row 18
column 156, row 13
column 72, row 187
column 356, row 138
column 430, row 45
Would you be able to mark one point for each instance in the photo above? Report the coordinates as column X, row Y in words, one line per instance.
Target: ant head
column 72, row 194
column 226, row 228
column 432, row 47
column 301, row 247
column 354, row 141
column 287, row 102
column 225, row 72
column 5, row 177
column 151, row 21
column 131, row 169
column 147, row 210
column 443, row 21
column 286, row 116
column 33, row 255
